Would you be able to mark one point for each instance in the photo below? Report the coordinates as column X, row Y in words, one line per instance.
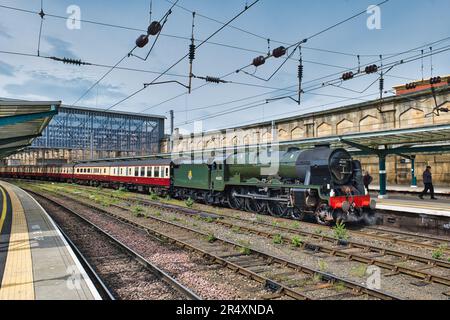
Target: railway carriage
column 322, row 182
column 143, row 175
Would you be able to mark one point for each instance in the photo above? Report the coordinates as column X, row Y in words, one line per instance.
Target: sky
column 404, row 25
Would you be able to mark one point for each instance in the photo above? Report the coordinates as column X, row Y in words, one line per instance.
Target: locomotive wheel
column 276, row 209
column 323, row 215
column 296, row 213
column 255, row 206
column 235, row 202
column 209, row 199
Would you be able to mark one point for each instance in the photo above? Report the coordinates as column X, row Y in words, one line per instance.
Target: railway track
column 419, row 241
column 284, row 278
column 395, row 236
column 424, row 268
column 99, row 284
column 112, row 263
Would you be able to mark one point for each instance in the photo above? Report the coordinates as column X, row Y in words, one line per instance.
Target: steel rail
column 123, row 247
column 353, row 286
column 430, row 263
column 98, row 282
column 425, row 238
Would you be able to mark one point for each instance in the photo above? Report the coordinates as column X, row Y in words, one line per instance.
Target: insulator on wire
column 347, row 76
column 70, row 61
column 300, row 71
column 381, row 84
column 213, row 79
column 259, row 61
column 142, row 41
column 192, row 52
column 435, row 80
column 371, row 69
column 279, row 52
column 154, row 28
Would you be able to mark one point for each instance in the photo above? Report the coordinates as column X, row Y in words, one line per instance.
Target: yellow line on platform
column 17, row 283
column 4, row 208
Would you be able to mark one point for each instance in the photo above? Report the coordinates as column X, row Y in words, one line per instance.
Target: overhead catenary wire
column 308, row 38
column 390, row 66
column 129, row 28
column 305, row 40
column 182, row 58
column 310, row 81
column 263, row 103
column 130, row 53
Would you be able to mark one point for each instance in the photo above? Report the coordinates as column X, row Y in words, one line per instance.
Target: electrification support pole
column 171, row 122
column 172, row 129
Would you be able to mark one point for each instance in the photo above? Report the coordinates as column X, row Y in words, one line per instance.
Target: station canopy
column 427, row 139
column 23, row 121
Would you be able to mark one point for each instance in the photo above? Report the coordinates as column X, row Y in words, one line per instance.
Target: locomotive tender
column 323, row 182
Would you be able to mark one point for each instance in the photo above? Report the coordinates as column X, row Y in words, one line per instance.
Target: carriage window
column 149, row 171
column 89, row 170
column 142, row 171
column 156, row 172
column 129, row 171
column 104, row 170
column 167, row 171
column 136, row 171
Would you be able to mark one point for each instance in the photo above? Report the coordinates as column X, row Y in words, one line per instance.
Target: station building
column 77, row 134
column 414, row 111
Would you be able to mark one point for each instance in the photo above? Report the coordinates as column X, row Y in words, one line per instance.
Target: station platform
column 415, row 205
column 36, row 262
column 405, row 189
column 402, row 198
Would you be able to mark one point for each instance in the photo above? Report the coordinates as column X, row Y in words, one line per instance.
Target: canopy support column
column 382, row 173
column 413, row 172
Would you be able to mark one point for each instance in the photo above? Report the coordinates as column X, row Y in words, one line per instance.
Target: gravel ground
column 124, row 276
column 295, row 225
column 276, row 271
column 208, row 280
column 301, row 226
column 311, row 227
column 400, row 285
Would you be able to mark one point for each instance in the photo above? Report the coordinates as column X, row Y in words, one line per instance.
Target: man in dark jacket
column 367, row 180
column 428, row 182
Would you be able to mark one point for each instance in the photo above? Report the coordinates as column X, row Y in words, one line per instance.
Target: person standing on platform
column 367, row 180
column 428, row 182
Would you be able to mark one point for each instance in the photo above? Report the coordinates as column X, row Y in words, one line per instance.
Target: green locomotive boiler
column 323, row 182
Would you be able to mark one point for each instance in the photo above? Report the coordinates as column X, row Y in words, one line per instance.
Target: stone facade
column 408, row 110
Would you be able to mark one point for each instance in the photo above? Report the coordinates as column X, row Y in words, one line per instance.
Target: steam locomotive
column 321, row 182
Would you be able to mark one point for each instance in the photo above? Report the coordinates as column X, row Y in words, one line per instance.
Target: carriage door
column 217, row 177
